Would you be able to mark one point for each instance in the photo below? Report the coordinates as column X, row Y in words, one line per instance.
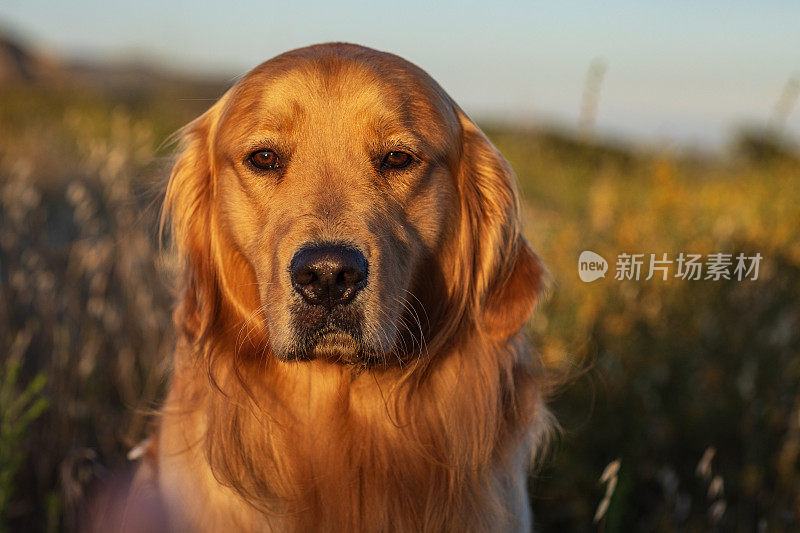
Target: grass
column 657, row 372
column 18, row 409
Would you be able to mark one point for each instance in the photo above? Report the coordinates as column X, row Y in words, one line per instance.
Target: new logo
column 591, row 266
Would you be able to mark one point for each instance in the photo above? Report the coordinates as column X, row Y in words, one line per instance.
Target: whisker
column 423, row 340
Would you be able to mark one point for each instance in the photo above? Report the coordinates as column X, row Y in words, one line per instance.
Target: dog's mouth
column 339, row 346
column 335, row 337
column 334, row 345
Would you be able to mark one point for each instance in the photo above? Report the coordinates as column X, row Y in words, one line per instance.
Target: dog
column 351, row 350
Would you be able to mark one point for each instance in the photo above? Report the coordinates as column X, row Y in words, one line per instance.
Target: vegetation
column 691, row 385
column 17, row 411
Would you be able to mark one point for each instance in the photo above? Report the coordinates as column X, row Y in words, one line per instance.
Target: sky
column 678, row 72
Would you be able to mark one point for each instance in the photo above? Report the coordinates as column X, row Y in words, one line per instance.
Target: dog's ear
column 217, row 276
column 188, row 196
column 504, row 274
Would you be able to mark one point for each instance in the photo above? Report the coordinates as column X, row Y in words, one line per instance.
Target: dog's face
column 334, row 183
column 336, row 177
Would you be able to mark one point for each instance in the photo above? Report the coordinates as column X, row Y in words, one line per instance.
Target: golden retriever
column 351, row 351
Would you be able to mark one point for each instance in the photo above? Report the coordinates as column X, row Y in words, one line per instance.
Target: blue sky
column 677, row 72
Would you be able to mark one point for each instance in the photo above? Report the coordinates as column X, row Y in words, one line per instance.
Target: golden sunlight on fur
column 351, row 351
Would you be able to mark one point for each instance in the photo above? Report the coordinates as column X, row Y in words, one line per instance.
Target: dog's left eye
column 396, row 160
column 264, row 160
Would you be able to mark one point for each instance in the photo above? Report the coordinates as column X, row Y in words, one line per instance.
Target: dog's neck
column 299, row 439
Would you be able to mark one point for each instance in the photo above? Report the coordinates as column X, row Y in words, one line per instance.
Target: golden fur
column 426, row 422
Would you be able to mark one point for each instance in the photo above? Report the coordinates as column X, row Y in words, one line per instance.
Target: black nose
column 328, row 274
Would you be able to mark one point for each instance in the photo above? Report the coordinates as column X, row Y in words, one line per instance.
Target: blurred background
column 633, row 127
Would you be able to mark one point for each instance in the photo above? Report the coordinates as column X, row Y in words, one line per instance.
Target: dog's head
column 336, row 203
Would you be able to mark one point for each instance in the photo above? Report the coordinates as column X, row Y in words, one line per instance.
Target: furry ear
column 216, row 275
column 186, row 212
column 505, row 274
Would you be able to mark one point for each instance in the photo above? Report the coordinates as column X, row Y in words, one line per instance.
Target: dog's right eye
column 264, row 160
column 396, row 160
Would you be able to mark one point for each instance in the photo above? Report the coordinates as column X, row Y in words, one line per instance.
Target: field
column 693, row 386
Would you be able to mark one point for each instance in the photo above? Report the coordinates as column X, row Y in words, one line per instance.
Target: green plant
column 17, row 411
